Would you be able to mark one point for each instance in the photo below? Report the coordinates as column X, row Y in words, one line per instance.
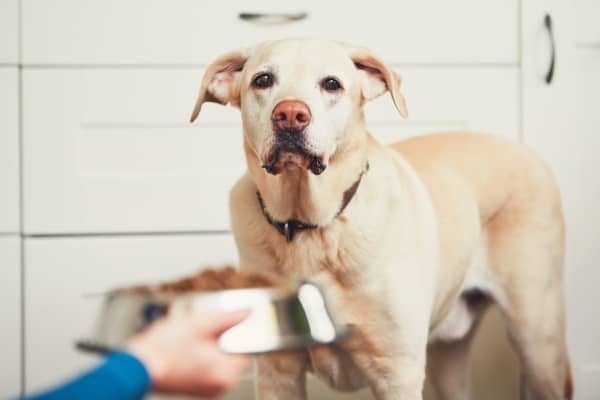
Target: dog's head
column 301, row 100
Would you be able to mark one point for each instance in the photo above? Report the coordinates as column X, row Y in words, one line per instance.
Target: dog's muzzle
column 290, row 148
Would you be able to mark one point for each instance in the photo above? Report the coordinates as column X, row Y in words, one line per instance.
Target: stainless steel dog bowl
column 279, row 319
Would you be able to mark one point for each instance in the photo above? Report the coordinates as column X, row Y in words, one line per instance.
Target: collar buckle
column 287, row 232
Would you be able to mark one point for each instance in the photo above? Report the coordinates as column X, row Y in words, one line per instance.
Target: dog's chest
column 322, row 252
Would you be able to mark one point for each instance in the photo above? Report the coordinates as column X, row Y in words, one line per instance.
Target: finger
column 216, row 324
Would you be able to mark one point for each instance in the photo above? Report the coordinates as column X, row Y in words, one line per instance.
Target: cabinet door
column 10, row 316
column 584, row 275
column 560, row 120
column 548, row 108
column 63, row 274
column 110, row 150
column 9, row 150
column 9, row 31
column 587, row 28
column 193, row 32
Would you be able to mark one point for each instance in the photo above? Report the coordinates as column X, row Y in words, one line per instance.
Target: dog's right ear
column 221, row 81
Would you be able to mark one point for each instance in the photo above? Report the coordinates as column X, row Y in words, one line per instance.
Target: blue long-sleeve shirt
column 120, row 377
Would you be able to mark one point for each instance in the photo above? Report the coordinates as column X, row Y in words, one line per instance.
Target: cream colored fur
column 433, row 217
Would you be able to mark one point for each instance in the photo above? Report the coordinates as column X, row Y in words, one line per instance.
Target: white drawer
column 9, row 150
column 110, row 150
column 113, row 151
column 450, row 98
column 10, row 316
column 192, row 31
column 59, row 272
column 9, row 31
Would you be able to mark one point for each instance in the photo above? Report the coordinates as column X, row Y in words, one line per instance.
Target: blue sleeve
column 120, row 377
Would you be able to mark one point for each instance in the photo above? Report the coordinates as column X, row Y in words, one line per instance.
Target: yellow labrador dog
column 411, row 240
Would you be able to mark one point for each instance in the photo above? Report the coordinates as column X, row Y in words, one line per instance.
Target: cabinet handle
column 548, row 25
column 273, row 18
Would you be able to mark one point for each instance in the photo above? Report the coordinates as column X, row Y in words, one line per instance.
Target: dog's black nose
column 291, row 115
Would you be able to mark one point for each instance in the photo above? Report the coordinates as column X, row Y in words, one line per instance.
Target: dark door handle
column 548, row 25
column 272, row 18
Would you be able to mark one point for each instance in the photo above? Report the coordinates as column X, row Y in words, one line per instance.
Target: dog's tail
column 568, row 383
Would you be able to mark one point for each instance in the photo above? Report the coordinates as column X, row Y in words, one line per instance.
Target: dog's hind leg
column 526, row 250
column 447, row 367
column 536, row 328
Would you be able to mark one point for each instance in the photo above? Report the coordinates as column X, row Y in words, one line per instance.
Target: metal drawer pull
column 273, row 18
column 550, row 73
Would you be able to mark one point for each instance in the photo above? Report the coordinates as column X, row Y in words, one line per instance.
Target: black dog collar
column 289, row 228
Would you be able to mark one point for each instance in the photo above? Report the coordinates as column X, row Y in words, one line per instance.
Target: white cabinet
column 10, row 316
column 63, row 274
column 583, row 144
column 193, row 32
column 549, row 108
column 9, row 31
column 561, row 121
column 449, row 98
column 110, row 150
column 9, row 150
column 122, row 158
column 587, row 27
column 584, row 275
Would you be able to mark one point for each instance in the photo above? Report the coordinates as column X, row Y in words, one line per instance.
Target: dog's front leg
column 389, row 346
column 281, row 376
column 403, row 382
column 392, row 373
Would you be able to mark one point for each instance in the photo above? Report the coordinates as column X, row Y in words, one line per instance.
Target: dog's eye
column 263, row 81
column 331, row 84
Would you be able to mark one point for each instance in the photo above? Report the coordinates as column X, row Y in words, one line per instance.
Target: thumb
column 216, row 324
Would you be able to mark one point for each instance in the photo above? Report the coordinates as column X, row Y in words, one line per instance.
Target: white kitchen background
column 103, row 183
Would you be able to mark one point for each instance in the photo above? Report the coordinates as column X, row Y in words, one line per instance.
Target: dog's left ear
column 377, row 78
column 221, row 81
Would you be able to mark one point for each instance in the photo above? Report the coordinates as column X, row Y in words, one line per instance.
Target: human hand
column 182, row 356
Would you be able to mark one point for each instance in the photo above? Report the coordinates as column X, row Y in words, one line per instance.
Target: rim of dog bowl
column 291, row 342
column 262, row 296
column 274, row 293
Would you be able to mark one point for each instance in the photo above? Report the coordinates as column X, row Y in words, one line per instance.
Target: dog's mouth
column 289, row 151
